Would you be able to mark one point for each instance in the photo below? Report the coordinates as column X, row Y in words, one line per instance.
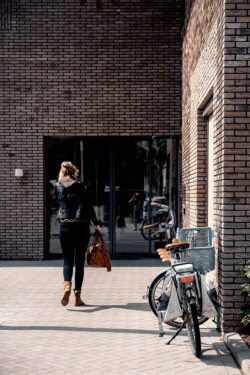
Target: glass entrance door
column 145, row 170
column 131, row 160
column 123, row 175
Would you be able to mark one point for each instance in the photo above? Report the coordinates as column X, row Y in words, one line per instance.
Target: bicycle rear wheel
column 155, row 297
column 193, row 329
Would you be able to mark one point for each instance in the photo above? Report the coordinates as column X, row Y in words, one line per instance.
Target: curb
column 239, row 350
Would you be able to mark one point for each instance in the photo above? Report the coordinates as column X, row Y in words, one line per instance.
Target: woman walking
column 74, row 215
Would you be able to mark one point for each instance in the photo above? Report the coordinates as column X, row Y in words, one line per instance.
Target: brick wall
column 217, row 67
column 235, row 229
column 202, row 79
column 72, row 70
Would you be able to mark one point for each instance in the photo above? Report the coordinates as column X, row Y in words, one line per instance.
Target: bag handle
column 95, row 239
column 98, row 238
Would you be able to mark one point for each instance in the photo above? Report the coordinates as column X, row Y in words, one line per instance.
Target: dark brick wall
column 202, row 79
column 71, row 70
column 235, row 229
column 216, row 65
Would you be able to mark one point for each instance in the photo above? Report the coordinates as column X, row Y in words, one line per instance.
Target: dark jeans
column 74, row 239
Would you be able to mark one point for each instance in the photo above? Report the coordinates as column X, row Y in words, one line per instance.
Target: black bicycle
column 162, row 225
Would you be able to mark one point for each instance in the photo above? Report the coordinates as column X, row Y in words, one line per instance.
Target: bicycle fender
column 162, row 272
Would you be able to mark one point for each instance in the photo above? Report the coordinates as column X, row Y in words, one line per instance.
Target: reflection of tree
column 142, row 153
column 159, row 155
column 133, row 166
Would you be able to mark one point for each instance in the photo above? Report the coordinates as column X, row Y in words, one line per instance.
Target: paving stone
column 115, row 334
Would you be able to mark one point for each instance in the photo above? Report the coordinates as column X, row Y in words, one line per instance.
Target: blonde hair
column 68, row 169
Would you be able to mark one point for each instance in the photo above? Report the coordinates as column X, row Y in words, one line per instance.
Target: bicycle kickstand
column 161, row 331
column 217, row 321
column 217, row 306
column 177, row 333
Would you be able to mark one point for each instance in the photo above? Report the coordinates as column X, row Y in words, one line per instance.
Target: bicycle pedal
column 161, row 334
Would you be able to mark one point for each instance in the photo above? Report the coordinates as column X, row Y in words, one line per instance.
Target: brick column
column 234, row 236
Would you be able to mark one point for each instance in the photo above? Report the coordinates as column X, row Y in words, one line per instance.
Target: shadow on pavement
column 128, row 306
column 145, row 262
column 77, row 329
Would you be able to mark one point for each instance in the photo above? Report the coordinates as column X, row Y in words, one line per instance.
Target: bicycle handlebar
column 155, row 204
column 163, row 206
column 150, row 226
column 177, row 246
column 157, row 225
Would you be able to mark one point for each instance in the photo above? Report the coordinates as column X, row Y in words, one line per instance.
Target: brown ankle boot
column 67, row 291
column 78, row 301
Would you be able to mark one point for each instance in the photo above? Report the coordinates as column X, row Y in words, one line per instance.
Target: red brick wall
column 216, row 64
column 71, row 70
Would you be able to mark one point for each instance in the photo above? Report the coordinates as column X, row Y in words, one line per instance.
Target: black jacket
column 74, row 202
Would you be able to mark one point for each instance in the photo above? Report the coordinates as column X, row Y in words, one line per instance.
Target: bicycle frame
column 186, row 280
column 186, row 275
column 186, row 297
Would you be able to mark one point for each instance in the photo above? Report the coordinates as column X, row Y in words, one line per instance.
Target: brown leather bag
column 98, row 253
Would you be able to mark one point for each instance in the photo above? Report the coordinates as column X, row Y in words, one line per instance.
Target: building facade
column 215, row 137
column 73, row 70
column 126, row 81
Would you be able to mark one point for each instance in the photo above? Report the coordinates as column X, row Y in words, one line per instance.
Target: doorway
column 123, row 175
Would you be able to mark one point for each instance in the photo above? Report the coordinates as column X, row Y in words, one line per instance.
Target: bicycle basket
column 196, row 236
column 201, row 250
column 202, row 258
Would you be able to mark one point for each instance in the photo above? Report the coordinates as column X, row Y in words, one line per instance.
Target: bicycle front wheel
column 193, row 329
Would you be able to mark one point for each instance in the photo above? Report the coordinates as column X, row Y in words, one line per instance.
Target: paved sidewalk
column 115, row 334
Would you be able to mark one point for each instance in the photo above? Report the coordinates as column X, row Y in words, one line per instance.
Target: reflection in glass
column 124, row 175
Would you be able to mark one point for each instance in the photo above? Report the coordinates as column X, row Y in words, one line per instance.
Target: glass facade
column 124, row 175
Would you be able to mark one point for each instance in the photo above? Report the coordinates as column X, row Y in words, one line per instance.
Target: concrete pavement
column 115, row 334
